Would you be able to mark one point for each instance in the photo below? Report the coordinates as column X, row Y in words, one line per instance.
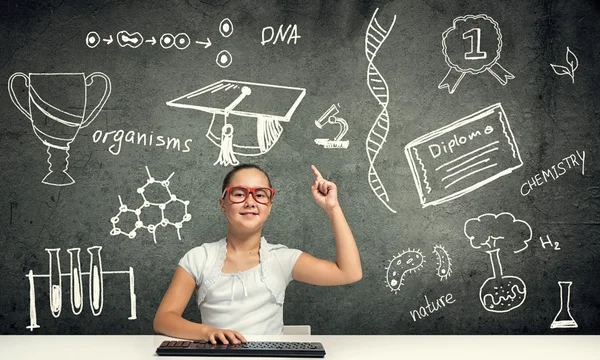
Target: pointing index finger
column 316, row 172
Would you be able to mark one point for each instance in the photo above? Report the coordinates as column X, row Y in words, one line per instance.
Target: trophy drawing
column 58, row 110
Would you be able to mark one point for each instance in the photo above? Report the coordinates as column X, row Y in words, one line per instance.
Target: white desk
column 338, row 347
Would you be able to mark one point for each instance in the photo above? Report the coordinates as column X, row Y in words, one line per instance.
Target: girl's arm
column 168, row 319
column 347, row 268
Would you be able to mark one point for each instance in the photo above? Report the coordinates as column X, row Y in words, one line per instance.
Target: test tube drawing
column 563, row 318
column 95, row 284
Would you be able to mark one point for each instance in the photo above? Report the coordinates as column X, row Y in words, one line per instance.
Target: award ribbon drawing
column 483, row 55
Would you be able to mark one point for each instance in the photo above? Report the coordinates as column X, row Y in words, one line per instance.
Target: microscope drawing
column 329, row 117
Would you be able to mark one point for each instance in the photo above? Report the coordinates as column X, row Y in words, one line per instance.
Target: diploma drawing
column 95, row 276
column 494, row 232
column 463, row 156
column 329, row 117
column 570, row 70
column 374, row 38
column 171, row 201
column 483, row 44
column 400, row 266
column 257, row 108
column 58, row 109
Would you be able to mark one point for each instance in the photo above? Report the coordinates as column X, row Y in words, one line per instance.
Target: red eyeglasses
column 239, row 194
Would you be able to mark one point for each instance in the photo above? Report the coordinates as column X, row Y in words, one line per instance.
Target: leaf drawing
column 572, row 60
column 563, row 70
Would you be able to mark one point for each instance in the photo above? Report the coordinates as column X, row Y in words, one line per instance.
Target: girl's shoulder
column 208, row 248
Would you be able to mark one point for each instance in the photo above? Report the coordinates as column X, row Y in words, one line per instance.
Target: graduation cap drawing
column 237, row 103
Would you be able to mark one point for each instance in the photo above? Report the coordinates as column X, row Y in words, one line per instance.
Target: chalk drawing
column 262, row 105
column 151, row 228
column 329, row 117
column 501, row 230
column 226, row 27
column 444, row 262
column 374, row 38
column 400, row 266
column 206, row 43
column 564, row 319
column 58, row 109
column 224, row 58
column 126, row 39
column 463, row 156
column 483, row 44
column 573, row 65
column 93, row 39
column 280, row 35
column 95, row 276
column 134, row 40
column 500, row 293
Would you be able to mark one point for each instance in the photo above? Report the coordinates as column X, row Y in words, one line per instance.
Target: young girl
column 240, row 280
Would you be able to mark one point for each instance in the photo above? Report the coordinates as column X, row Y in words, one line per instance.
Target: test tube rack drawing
column 374, row 38
column 95, row 280
column 329, row 117
column 229, row 100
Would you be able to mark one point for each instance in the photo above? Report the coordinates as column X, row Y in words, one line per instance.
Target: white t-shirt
column 251, row 301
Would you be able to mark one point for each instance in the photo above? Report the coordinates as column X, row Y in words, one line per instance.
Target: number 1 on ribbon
column 475, row 53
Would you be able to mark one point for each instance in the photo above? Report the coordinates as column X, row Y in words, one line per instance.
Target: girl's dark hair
column 242, row 167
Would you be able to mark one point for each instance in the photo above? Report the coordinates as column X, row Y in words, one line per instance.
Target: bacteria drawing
column 444, row 262
column 401, row 265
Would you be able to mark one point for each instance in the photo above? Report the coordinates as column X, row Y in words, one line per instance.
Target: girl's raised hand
column 324, row 191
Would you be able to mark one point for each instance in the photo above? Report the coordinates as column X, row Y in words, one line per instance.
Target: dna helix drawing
column 374, row 38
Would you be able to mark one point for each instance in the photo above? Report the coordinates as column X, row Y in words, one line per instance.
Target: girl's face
column 247, row 216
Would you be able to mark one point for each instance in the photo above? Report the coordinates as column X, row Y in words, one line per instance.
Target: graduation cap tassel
column 226, row 155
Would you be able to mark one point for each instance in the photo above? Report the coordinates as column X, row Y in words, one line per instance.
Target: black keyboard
column 250, row 348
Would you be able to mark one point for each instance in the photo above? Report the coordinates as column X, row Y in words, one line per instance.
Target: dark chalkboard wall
column 454, row 239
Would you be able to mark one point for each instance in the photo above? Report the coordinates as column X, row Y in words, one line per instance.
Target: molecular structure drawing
column 146, row 204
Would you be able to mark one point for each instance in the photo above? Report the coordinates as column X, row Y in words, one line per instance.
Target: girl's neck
column 243, row 242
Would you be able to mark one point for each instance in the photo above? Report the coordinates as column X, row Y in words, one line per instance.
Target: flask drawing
column 501, row 293
column 563, row 318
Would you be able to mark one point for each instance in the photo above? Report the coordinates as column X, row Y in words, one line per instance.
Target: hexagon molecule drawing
column 173, row 199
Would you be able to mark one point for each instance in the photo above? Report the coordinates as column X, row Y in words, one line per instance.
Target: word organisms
column 280, row 34
column 95, row 276
column 172, row 201
column 403, row 264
